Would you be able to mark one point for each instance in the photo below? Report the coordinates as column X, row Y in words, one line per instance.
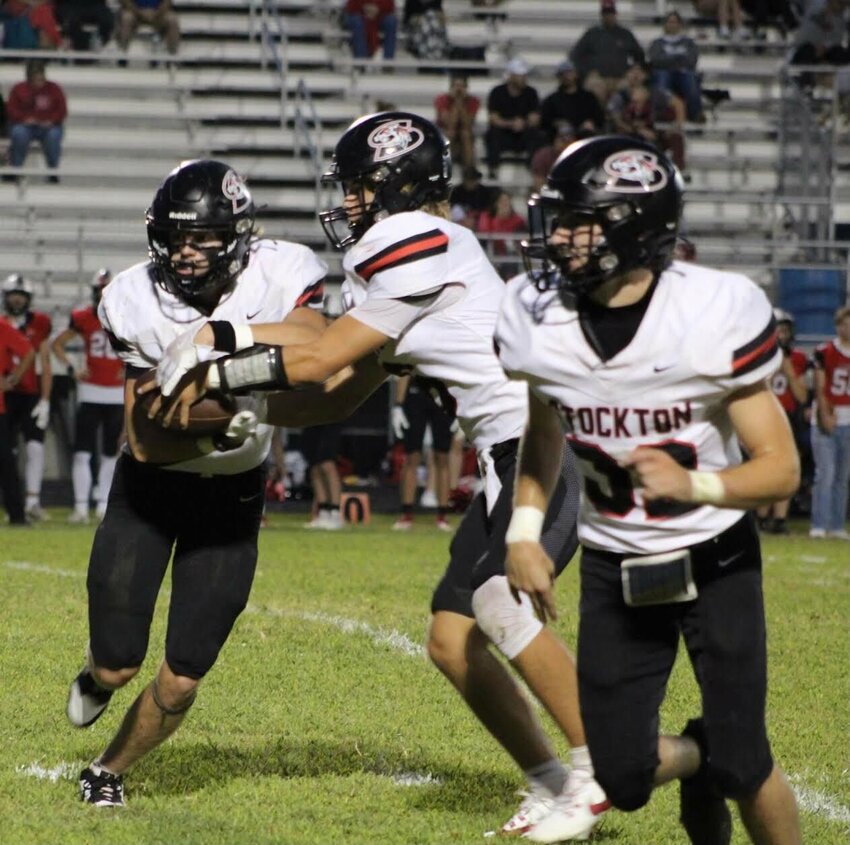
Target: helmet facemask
column 17, row 295
column 204, row 279
column 603, row 242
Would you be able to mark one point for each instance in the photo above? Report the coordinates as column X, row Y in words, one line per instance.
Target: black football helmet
column 629, row 188
column 16, row 283
column 209, row 198
column 98, row 282
column 401, row 157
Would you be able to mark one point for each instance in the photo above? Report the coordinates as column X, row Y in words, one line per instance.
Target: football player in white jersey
column 655, row 370
column 201, row 498
column 421, row 293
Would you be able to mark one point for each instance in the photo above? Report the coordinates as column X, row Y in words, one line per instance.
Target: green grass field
column 324, row 723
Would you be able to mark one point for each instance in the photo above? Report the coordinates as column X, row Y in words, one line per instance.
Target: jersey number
column 100, row 347
column 840, row 383
column 609, row 487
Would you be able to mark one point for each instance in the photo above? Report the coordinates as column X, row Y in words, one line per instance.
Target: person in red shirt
column 789, row 387
column 501, row 218
column 100, row 391
column 40, row 16
column 28, row 403
column 16, row 357
column 456, row 110
column 36, row 111
column 831, row 432
column 369, row 22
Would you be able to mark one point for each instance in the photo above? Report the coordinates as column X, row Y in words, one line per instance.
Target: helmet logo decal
column 634, row 172
column 233, row 187
column 393, row 138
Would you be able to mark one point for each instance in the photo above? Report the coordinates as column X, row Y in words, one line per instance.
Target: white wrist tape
column 213, row 377
column 526, row 525
column 707, row 488
column 244, row 337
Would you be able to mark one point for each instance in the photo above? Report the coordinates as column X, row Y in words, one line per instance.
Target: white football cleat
column 78, row 518
column 574, row 813
column 533, row 808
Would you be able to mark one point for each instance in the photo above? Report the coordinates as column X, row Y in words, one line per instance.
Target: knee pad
column 509, row 625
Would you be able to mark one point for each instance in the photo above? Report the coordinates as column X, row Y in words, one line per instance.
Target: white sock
column 104, row 479
column 548, row 778
column 580, row 759
column 81, row 477
column 34, row 471
column 97, row 767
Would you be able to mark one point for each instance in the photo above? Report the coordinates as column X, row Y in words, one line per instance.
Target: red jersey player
column 100, row 393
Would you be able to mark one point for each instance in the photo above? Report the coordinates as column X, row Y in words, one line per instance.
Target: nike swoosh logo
column 660, row 368
column 251, row 316
column 248, row 498
column 723, row 563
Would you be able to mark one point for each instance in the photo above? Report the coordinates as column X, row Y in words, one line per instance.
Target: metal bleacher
column 268, row 85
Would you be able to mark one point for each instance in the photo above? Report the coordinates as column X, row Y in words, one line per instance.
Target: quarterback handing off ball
column 208, row 416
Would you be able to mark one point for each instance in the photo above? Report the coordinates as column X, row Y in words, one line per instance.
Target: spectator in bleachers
column 425, row 29
column 371, row 22
column 725, row 12
column 514, row 117
column 77, row 16
column 502, row 219
column 36, row 112
column 470, row 198
column 30, row 25
column 673, row 61
column 545, row 157
column 604, row 53
column 569, row 103
column 13, row 347
column 636, row 109
column 821, row 38
column 764, row 12
column 456, row 110
column 157, row 14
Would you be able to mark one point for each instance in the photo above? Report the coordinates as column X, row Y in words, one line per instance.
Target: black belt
column 503, row 449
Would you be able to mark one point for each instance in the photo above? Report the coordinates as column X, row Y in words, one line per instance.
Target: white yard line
column 379, row 636
column 811, row 800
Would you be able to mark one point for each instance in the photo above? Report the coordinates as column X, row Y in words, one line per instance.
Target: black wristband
column 224, row 335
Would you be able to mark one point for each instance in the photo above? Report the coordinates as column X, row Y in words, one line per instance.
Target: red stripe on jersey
column 406, row 252
column 764, row 350
column 313, row 295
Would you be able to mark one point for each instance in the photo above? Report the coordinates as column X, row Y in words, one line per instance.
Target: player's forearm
column 318, row 404
column 765, row 478
column 46, row 378
column 269, row 334
column 23, row 365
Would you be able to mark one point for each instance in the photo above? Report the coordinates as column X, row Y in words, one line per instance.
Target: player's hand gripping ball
column 210, row 415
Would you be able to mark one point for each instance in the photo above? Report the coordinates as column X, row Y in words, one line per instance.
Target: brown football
column 208, row 416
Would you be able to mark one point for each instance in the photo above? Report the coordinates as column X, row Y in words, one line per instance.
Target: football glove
column 41, row 413
column 181, row 355
column 398, row 421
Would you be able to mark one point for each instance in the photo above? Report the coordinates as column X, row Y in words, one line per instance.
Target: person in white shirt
column 421, row 294
column 201, row 498
column 655, row 370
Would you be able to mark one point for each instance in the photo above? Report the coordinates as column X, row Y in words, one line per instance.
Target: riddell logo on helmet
column 234, row 188
column 634, row 172
column 182, row 215
column 393, row 138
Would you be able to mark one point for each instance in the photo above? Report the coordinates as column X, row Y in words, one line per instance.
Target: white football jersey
column 705, row 334
column 143, row 319
column 413, row 254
